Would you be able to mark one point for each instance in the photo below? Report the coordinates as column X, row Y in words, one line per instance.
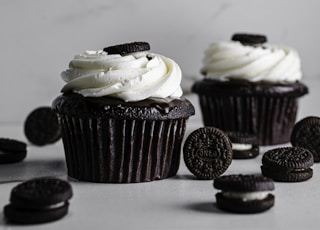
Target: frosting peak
column 133, row 77
column 226, row 60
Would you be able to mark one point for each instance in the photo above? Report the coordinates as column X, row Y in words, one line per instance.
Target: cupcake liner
column 270, row 118
column 121, row 151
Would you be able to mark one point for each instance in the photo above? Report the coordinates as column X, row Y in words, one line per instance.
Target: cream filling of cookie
column 241, row 147
column 246, row 196
column 53, row 206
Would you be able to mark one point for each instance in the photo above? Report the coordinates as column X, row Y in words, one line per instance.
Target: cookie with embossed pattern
column 287, row 164
column 306, row 134
column 42, row 126
column 241, row 193
column 207, row 153
column 38, row 200
column 127, row 48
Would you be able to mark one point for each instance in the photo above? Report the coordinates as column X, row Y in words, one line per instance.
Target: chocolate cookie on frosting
column 123, row 115
column 127, row 48
column 254, row 89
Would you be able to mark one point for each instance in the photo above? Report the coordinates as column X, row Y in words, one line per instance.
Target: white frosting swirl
column 224, row 60
column 133, row 77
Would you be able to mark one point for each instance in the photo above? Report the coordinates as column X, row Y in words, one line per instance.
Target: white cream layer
column 246, row 196
column 241, row 147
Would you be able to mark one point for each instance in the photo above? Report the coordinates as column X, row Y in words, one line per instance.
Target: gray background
column 39, row 37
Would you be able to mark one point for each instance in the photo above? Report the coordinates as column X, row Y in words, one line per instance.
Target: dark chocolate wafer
column 12, row 151
column 244, row 193
column 306, row 134
column 207, row 152
column 127, row 48
column 249, row 39
column 42, row 127
column 287, row 164
column 38, row 200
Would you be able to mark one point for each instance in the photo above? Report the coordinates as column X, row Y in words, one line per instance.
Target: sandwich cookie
column 244, row 145
column 244, row 193
column 127, row 48
column 38, row 200
column 249, row 39
column 12, row 151
column 306, row 134
column 287, row 164
column 207, row 153
column 42, row 126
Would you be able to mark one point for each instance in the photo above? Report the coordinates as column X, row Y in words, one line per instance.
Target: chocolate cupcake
column 252, row 87
column 122, row 114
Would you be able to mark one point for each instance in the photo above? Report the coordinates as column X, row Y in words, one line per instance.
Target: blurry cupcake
column 123, row 116
column 251, row 86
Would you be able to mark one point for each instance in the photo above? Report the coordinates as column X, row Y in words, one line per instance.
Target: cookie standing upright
column 241, row 193
column 42, row 127
column 207, row 153
column 306, row 134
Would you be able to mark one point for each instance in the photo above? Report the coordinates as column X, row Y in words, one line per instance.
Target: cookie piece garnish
column 306, row 134
column 38, row 200
column 42, row 126
column 244, row 145
column 244, row 193
column 249, row 39
column 207, row 152
column 127, row 48
column 287, row 164
column 12, row 151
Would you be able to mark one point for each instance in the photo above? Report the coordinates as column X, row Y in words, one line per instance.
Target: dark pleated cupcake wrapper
column 121, row 151
column 270, row 118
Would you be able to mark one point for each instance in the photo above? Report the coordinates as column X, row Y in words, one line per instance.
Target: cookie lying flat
column 287, row 164
column 38, row 200
column 127, row 48
column 207, row 153
column 306, row 134
column 249, row 39
column 12, row 151
column 244, row 193
column 244, row 145
column 42, row 127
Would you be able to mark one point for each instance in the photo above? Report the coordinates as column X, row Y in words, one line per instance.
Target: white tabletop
column 181, row 202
